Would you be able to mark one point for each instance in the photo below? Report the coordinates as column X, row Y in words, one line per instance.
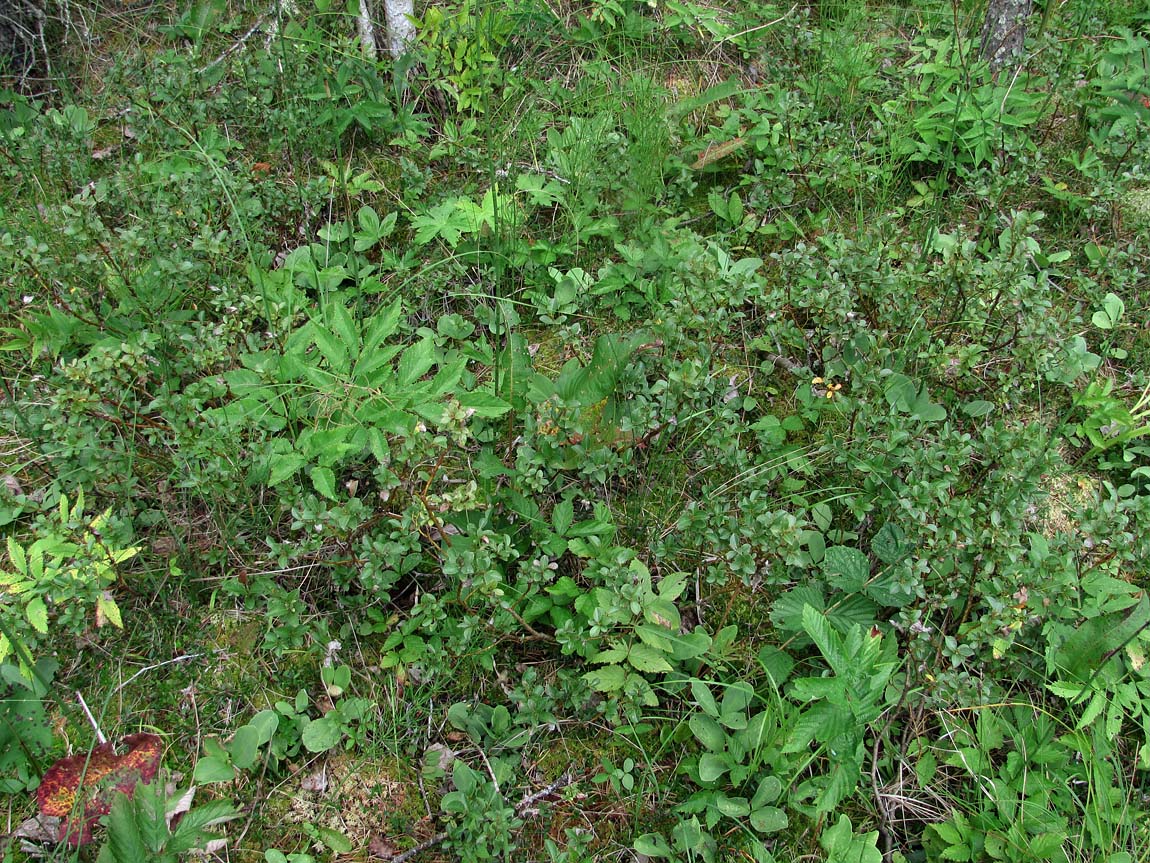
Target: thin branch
column 239, row 43
column 101, row 739
column 185, row 658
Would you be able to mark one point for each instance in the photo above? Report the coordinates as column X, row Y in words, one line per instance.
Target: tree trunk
column 367, row 31
column 400, row 30
column 1004, row 31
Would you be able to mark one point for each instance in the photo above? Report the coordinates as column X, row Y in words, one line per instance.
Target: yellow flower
column 831, row 388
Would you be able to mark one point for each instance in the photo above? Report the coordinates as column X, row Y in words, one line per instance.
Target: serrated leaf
column 323, row 478
column 17, row 557
column 787, row 610
column 484, row 404
column 609, row 678
column 284, row 465
column 345, row 328
column 381, row 325
column 333, row 350
column 612, row 655
column 124, row 841
column 846, row 569
column 416, row 361
column 190, row 831
column 562, row 516
column 37, row 613
column 663, row 613
column 829, row 642
column 777, row 663
column 646, row 658
column 107, row 611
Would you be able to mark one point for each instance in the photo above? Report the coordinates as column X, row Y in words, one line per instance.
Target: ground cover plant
column 612, row 431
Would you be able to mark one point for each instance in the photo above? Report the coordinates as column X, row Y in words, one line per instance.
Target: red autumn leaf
column 93, row 779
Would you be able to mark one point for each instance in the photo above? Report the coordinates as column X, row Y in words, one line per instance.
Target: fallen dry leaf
column 382, row 848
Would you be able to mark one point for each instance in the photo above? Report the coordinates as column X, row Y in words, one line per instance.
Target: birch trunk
column 400, row 30
column 367, row 31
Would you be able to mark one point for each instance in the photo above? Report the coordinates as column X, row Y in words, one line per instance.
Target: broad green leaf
column 889, row 543
column 829, row 643
column 657, row 637
column 343, row 325
column 333, row 350
column 926, row 410
column 733, row 807
column 686, row 646
column 463, row 777
column 672, row 586
column 381, row 326
column 1108, row 316
column 190, row 833
column 244, row 747
column 844, row 846
column 770, row 787
column 213, row 768
column 737, row 697
column 787, row 610
column 125, row 844
column 708, row 732
column 978, row 408
column 900, row 392
column 768, row 819
column 777, row 663
column 712, row 766
column 613, row 655
column 265, row 722
column 322, row 734
column 703, row 697
column 653, row 845
column 333, row 839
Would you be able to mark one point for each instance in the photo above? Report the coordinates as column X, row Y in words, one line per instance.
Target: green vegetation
column 675, row 431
